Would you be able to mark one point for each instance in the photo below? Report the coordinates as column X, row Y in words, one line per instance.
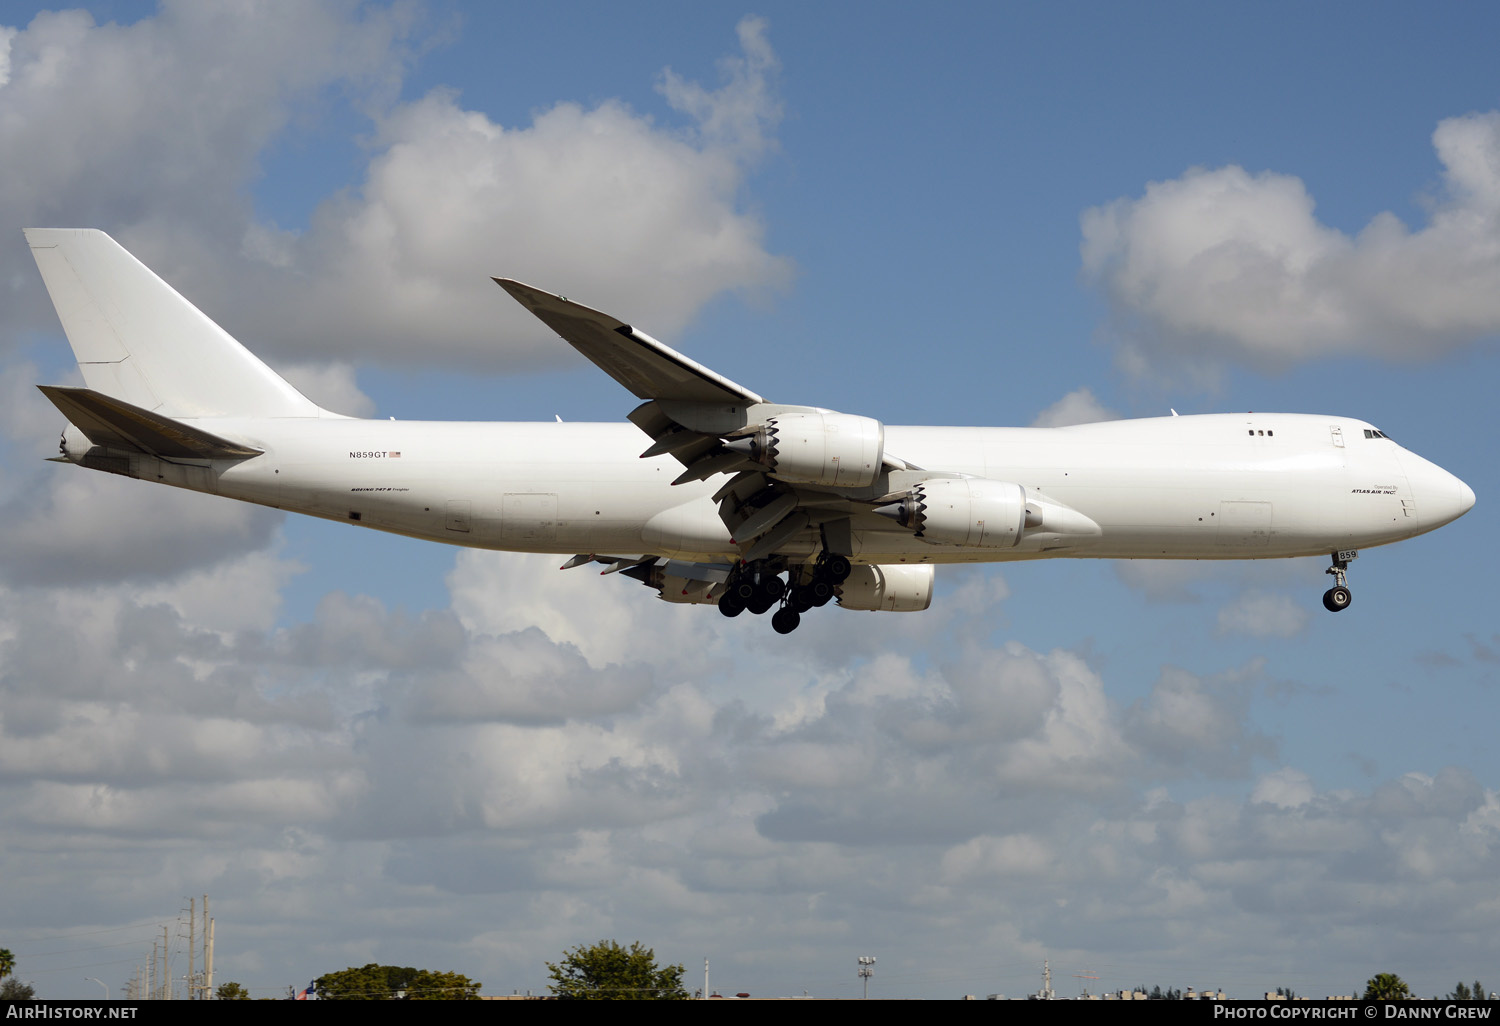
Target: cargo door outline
column 1244, row 524
column 528, row 517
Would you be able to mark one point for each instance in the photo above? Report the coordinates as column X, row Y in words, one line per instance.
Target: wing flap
column 117, row 424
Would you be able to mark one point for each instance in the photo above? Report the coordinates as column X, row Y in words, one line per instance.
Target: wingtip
column 519, row 291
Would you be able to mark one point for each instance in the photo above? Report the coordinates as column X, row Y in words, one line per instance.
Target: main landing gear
column 1337, row 598
column 757, row 587
column 753, row 587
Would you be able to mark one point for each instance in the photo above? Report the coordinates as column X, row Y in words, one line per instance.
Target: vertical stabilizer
column 137, row 340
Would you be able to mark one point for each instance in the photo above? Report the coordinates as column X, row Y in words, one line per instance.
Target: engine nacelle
column 837, row 450
column 893, row 587
column 971, row 511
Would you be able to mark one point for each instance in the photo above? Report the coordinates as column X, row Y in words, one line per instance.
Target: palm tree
column 1387, row 987
column 7, row 963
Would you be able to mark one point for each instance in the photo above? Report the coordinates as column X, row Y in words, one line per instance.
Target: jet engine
column 893, row 587
column 837, row 450
column 970, row 511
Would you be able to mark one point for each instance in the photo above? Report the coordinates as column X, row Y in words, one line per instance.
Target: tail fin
column 137, row 340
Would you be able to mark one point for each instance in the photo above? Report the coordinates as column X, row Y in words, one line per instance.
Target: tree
column 608, row 972
column 1386, row 987
column 1460, row 993
column 393, row 982
column 14, row 990
column 231, row 991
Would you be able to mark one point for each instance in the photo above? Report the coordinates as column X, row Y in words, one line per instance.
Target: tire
column 774, row 587
column 838, row 569
column 1336, row 600
column 786, row 620
column 730, row 606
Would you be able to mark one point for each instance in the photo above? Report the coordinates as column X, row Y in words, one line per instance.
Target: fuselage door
column 458, row 515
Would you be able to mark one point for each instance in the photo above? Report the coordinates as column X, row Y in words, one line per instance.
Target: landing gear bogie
column 759, row 586
column 755, row 587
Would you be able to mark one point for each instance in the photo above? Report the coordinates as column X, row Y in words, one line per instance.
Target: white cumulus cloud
column 597, row 202
column 1260, row 614
column 1230, row 266
column 1079, row 406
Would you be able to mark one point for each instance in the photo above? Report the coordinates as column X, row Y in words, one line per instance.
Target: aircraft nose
column 1441, row 497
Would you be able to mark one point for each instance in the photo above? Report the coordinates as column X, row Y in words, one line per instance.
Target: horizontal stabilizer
column 117, row 424
column 648, row 368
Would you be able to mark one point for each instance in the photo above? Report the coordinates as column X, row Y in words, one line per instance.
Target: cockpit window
column 1378, row 434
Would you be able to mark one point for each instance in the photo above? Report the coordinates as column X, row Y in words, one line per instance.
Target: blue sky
column 1185, row 774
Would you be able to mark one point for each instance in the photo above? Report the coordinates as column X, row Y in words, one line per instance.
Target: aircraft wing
column 636, row 360
column 796, row 474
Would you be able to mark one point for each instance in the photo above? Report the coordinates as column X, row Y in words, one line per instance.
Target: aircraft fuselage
column 1222, row 486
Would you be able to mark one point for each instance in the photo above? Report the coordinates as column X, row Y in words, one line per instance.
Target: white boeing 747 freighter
column 735, row 500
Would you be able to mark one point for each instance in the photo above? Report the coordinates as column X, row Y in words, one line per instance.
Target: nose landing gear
column 1337, row 598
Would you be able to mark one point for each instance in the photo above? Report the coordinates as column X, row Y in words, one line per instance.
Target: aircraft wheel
column 744, row 590
column 819, row 591
column 730, row 606
column 802, row 599
column 786, row 620
column 838, row 569
column 760, row 603
column 1337, row 599
column 773, row 587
